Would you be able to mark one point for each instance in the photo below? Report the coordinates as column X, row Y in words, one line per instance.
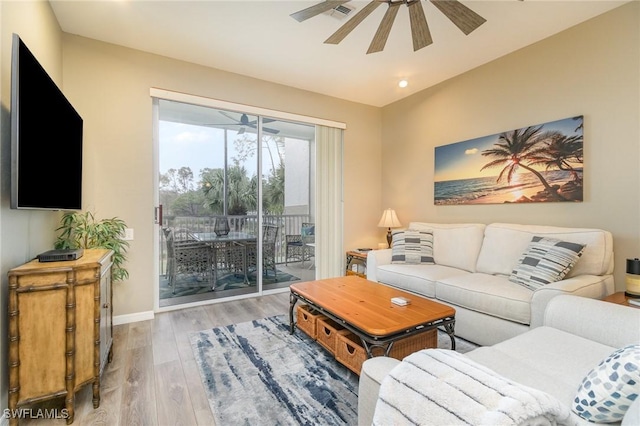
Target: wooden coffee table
column 364, row 307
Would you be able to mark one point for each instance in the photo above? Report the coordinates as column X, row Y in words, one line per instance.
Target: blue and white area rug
column 256, row 373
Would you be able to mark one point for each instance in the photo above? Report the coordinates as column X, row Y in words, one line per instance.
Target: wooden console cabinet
column 60, row 329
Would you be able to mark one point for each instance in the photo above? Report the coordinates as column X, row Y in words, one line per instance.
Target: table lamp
column 632, row 280
column 389, row 220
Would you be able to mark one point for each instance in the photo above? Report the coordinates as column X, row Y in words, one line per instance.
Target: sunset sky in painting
column 463, row 160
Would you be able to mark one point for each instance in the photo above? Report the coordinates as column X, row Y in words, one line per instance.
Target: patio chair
column 297, row 247
column 188, row 256
column 269, row 238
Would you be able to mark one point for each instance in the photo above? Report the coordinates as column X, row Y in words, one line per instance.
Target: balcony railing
column 287, row 225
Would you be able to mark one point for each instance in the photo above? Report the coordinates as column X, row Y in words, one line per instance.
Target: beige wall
column 592, row 69
column 23, row 233
column 109, row 86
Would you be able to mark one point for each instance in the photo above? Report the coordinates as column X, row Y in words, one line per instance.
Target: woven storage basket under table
column 307, row 320
column 349, row 350
column 409, row 345
column 327, row 331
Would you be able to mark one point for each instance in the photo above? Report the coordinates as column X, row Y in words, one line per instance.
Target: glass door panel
column 288, row 163
column 237, row 193
column 208, row 189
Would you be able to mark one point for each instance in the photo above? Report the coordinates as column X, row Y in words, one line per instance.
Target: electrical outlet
column 128, row 234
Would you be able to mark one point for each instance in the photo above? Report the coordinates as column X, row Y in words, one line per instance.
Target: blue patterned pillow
column 545, row 261
column 308, row 230
column 412, row 247
column 608, row 390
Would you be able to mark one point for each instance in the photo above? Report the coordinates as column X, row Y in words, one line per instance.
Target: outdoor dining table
column 242, row 238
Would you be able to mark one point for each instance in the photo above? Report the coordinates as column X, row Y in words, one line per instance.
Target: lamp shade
column 389, row 219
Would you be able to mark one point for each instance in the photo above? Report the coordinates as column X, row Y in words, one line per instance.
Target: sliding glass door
column 235, row 192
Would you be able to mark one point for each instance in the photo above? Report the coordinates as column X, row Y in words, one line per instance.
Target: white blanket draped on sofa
column 442, row 387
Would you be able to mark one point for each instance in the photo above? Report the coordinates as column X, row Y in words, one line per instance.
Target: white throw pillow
column 605, row 394
column 545, row 261
column 412, row 247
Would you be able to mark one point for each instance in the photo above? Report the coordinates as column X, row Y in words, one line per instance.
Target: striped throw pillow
column 545, row 261
column 412, row 247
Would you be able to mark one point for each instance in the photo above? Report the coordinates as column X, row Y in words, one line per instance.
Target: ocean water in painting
column 477, row 190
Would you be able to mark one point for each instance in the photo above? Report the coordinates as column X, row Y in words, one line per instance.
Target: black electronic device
column 46, row 138
column 60, row 255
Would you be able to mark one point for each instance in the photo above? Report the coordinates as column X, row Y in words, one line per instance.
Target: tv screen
column 46, row 139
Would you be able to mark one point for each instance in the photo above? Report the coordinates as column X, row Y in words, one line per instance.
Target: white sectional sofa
column 471, row 270
column 575, row 335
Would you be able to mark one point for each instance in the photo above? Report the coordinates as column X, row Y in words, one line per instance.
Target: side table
column 356, row 263
column 621, row 299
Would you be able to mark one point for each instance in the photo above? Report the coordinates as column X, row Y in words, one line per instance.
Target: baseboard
column 129, row 318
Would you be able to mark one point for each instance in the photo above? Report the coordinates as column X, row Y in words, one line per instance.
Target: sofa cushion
column 504, row 243
column 490, row 294
column 420, row 279
column 546, row 260
column 533, row 359
column 412, row 247
column 456, row 245
column 610, row 388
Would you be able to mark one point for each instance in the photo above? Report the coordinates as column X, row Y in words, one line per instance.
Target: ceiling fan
column 244, row 122
column 463, row 17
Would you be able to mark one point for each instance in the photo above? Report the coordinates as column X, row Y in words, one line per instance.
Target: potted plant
column 82, row 230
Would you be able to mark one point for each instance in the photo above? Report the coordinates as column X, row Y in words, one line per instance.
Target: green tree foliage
column 184, row 197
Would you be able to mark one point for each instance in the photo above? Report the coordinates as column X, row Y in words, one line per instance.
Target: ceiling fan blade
column 380, row 38
column 463, row 17
column 269, row 130
column 264, row 129
column 310, row 12
column 241, row 130
column 419, row 27
column 229, row 116
column 264, row 120
column 344, row 30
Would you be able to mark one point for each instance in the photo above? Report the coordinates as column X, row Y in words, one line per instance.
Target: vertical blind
column 329, row 202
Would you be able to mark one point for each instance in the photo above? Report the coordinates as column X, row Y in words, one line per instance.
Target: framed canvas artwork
column 534, row 164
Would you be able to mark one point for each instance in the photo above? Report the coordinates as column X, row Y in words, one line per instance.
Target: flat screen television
column 46, row 138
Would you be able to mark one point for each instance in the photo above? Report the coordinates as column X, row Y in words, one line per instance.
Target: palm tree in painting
column 519, row 148
column 562, row 152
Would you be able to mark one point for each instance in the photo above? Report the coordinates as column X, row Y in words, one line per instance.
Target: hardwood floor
column 153, row 378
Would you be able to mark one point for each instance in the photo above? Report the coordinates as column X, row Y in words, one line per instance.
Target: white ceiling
column 259, row 39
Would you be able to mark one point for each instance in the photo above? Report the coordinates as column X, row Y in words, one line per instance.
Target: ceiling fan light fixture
column 403, row 83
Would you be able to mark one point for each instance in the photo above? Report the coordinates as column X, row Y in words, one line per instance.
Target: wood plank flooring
column 153, row 378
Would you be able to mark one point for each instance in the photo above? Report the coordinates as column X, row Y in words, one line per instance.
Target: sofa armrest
column 373, row 371
column 591, row 286
column 377, row 258
column 603, row 322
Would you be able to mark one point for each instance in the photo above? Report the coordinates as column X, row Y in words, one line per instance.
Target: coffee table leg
column 449, row 328
column 292, row 303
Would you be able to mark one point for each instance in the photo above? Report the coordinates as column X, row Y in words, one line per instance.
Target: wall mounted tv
column 46, row 138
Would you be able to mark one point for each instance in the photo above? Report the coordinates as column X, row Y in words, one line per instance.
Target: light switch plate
column 128, row 234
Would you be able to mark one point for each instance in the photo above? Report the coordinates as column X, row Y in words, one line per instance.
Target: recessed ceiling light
column 403, row 83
